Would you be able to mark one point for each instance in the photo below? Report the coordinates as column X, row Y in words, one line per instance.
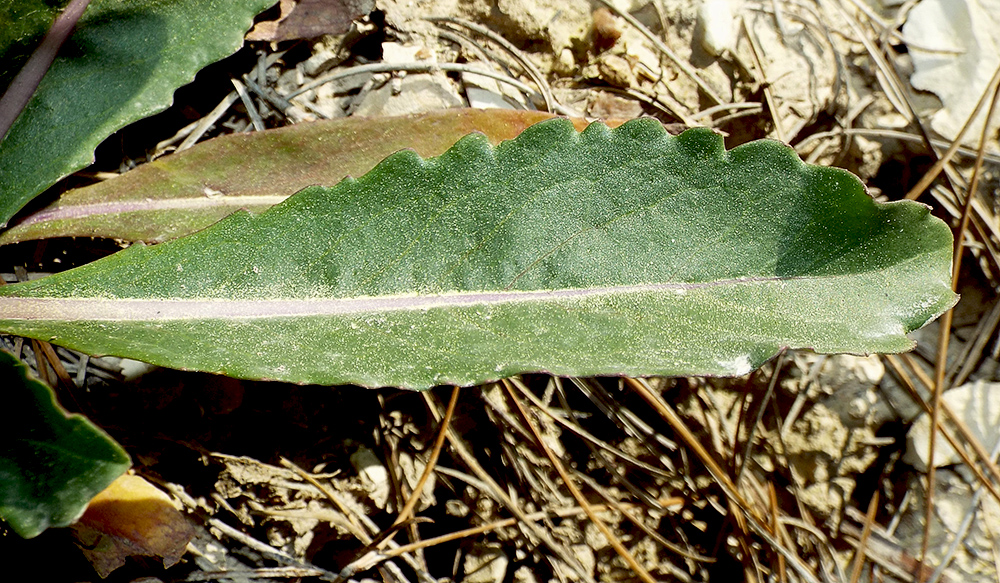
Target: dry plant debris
column 793, row 473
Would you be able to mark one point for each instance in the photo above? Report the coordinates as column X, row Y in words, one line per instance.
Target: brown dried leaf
column 131, row 517
column 310, row 18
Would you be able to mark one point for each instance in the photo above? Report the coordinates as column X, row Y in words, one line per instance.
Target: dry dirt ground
column 767, row 477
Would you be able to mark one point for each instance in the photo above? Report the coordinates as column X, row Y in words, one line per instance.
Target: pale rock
column 488, row 93
column 133, row 369
column 955, row 47
column 487, row 563
column 373, row 474
column 414, row 94
column 327, row 52
column 616, row 71
column 586, row 556
column 565, row 65
column 525, row 574
column 393, row 52
column 717, row 25
column 977, row 405
column 960, row 512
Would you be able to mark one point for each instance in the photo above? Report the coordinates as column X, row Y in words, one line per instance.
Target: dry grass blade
column 746, row 512
column 945, row 158
column 950, row 416
column 534, row 517
column 963, row 529
column 494, row 490
column 671, row 417
column 355, row 528
column 776, row 527
column 772, row 108
column 859, row 553
column 887, row 555
column 413, row 67
column 407, row 510
column 942, row 356
column 660, row 46
column 884, row 134
column 625, row 419
column 45, row 354
column 625, row 510
column 255, row 119
column 266, row 549
column 892, row 86
column 610, row 536
column 595, row 445
column 529, row 67
column 209, row 120
column 967, row 361
column 752, row 429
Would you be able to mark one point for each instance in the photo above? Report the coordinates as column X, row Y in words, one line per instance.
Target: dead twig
column 407, row 509
column 945, row 325
column 610, row 536
column 494, row 490
column 859, row 552
column 663, row 48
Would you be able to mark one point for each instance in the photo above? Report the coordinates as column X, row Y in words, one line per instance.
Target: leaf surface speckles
column 623, row 251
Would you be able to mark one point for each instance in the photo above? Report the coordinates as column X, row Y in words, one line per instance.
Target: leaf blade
column 52, row 463
column 605, row 252
column 121, row 64
column 190, row 190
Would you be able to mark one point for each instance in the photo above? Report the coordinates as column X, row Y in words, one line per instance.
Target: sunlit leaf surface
column 622, row 251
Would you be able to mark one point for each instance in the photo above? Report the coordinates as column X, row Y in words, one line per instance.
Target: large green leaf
column 622, row 251
column 190, row 190
column 122, row 63
column 25, row 23
column 51, row 463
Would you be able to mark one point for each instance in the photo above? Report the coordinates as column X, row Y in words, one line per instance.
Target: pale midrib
column 116, row 310
column 79, row 211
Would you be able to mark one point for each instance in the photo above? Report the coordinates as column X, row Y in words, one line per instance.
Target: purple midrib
column 97, row 309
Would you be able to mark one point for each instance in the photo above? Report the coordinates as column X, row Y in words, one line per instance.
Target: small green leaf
column 122, row 63
column 622, row 251
column 51, row 463
column 190, row 190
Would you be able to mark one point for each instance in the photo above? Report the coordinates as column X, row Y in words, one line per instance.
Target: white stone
column 955, row 47
column 717, row 25
column 977, row 405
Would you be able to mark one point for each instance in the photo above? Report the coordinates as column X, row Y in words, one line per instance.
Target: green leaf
column 190, row 190
column 52, row 463
column 122, row 63
column 25, row 22
column 621, row 251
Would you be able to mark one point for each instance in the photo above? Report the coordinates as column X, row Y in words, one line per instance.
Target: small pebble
column 606, row 29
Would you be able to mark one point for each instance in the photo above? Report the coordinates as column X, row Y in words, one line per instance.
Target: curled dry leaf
column 131, row 517
column 310, row 18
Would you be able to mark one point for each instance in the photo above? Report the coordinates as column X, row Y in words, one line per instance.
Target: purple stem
column 27, row 80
